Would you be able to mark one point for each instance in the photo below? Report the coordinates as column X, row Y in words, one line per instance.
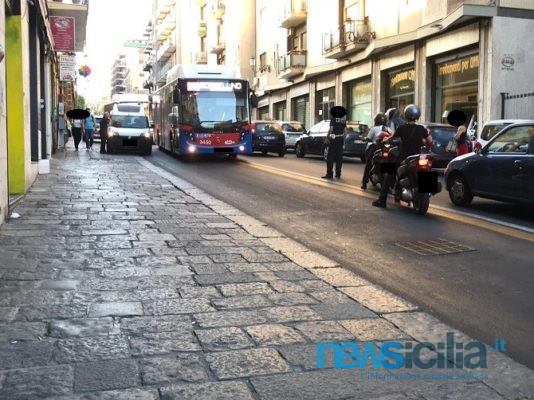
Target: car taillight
column 385, row 154
column 424, row 162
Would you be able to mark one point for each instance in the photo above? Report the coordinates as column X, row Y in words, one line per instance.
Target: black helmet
column 412, row 112
column 381, row 119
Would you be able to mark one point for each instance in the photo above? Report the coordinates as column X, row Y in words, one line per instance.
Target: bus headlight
column 191, row 148
column 241, row 148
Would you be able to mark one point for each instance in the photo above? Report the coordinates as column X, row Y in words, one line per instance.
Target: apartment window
column 263, row 61
column 300, row 110
column 358, row 99
column 303, row 41
column 351, row 10
column 295, row 43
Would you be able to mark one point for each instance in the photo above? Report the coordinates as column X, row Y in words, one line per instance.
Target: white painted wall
column 3, row 142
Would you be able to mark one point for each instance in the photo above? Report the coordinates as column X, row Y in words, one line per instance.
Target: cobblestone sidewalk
column 121, row 281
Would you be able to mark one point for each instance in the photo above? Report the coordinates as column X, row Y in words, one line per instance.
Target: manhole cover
column 434, row 247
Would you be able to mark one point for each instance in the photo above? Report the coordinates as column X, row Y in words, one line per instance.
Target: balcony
column 218, row 47
column 165, row 27
column 294, row 13
column 349, row 38
column 291, row 64
column 166, row 50
column 219, row 10
column 201, row 57
column 164, row 7
column 202, row 29
column 148, row 65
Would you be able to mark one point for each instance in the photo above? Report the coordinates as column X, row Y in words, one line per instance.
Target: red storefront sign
column 63, row 29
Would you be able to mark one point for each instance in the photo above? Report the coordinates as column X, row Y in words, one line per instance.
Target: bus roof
column 202, row 71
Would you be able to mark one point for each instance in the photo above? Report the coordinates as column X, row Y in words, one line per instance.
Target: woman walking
column 77, row 131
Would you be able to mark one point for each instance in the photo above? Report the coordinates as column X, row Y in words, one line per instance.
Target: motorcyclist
column 380, row 126
column 412, row 137
column 394, row 119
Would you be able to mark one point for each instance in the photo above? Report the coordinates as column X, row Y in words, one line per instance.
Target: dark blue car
column 502, row 170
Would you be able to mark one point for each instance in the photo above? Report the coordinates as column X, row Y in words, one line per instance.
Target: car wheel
column 325, row 152
column 147, row 152
column 459, row 191
column 299, row 150
column 281, row 153
column 264, row 152
column 362, row 158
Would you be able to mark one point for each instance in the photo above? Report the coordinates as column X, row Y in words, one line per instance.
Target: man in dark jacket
column 334, row 141
column 104, row 123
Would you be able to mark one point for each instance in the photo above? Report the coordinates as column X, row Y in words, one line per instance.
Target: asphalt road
column 487, row 293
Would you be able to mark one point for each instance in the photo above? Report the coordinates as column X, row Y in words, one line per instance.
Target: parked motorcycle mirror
column 456, row 118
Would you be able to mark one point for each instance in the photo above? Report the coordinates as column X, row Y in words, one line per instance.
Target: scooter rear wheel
column 421, row 202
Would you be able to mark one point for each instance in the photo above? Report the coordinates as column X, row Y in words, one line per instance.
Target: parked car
column 98, row 118
column 491, row 128
column 267, row 136
column 442, row 135
column 313, row 142
column 129, row 130
column 293, row 130
column 502, row 170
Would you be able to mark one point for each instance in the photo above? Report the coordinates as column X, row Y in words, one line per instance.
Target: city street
column 121, row 280
column 458, row 288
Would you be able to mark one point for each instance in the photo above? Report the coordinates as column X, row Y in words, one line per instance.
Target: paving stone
column 229, row 318
column 207, row 391
column 284, row 245
column 339, row 277
column 177, row 306
column 236, row 302
column 288, row 314
column 117, row 309
column 291, row 299
column 285, row 286
column 172, row 270
column 310, row 259
column 31, row 297
column 8, row 313
column 22, row 331
column 348, row 310
column 177, row 368
column 126, row 272
column 313, row 285
column 237, row 268
column 244, row 289
column 25, row 354
column 217, row 278
column 254, row 257
column 91, row 349
column 121, row 394
column 244, row 363
column 82, row 327
column 373, row 329
column 166, row 323
column 191, row 292
column 40, row 312
column 38, row 382
column 105, row 375
column 226, row 258
column 147, row 344
column 324, row 331
column 295, row 275
column 218, row 339
column 274, row 335
column 330, row 296
column 378, row 300
column 303, row 356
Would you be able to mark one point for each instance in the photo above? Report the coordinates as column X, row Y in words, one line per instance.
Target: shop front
column 455, row 86
column 358, row 96
column 400, row 88
column 280, row 110
column 300, row 110
column 324, row 100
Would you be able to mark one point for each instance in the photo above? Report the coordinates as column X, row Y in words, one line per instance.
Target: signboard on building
column 67, row 68
column 63, row 31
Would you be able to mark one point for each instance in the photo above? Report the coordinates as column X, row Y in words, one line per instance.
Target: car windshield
column 442, row 135
column 129, row 121
column 211, row 110
column 293, row 127
column 491, row 130
column 359, row 129
column 268, row 127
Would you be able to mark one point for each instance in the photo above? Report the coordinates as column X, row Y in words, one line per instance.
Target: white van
column 129, row 129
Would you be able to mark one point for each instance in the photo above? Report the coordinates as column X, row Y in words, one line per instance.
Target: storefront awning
column 78, row 12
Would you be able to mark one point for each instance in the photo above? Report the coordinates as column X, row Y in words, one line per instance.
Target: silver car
column 293, row 130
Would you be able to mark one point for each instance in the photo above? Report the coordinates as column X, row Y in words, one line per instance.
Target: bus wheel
column 232, row 156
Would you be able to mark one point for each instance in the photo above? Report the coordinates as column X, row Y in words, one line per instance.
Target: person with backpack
column 379, row 129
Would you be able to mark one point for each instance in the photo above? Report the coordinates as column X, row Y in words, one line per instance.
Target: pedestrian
column 462, row 145
column 412, row 137
column 89, row 127
column 334, row 141
column 77, row 131
column 374, row 134
column 104, row 123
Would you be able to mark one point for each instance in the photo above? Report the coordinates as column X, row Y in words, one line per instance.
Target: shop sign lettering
column 458, row 67
column 402, row 76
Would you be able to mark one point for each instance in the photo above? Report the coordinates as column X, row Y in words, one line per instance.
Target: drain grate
column 434, row 247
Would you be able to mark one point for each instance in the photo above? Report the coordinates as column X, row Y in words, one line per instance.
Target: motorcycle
column 381, row 160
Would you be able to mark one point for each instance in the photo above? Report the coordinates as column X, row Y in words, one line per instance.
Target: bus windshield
column 207, row 110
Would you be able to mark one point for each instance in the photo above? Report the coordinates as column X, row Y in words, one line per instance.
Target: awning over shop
column 77, row 11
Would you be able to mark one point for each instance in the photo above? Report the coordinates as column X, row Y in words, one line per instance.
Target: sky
column 109, row 24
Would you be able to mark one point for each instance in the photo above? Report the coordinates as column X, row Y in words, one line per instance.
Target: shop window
column 456, row 87
column 280, row 111
column 358, row 95
column 324, row 100
column 263, row 112
column 300, row 110
column 400, row 88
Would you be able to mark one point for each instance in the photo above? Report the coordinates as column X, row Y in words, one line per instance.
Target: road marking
column 491, row 224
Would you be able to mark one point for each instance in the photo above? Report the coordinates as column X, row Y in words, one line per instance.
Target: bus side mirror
column 253, row 100
column 176, row 96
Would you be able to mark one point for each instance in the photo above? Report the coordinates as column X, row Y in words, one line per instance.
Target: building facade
column 370, row 56
column 127, row 72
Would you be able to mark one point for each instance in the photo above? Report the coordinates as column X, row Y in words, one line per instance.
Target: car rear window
column 268, row 127
column 293, row 127
column 359, row 129
column 491, row 130
column 442, row 135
